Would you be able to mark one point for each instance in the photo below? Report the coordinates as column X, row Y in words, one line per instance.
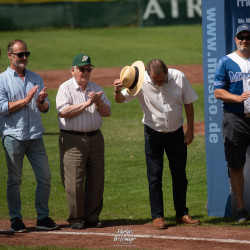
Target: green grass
column 126, row 188
column 112, row 47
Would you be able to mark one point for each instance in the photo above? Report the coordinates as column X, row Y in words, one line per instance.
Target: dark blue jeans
column 173, row 144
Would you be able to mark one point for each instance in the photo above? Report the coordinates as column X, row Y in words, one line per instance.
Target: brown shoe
column 159, row 223
column 186, row 219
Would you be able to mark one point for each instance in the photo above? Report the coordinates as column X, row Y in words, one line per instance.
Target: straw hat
column 132, row 77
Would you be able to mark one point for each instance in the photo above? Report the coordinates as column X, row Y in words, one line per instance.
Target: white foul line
column 153, row 237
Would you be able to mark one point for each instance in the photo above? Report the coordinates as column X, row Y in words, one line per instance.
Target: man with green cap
column 81, row 104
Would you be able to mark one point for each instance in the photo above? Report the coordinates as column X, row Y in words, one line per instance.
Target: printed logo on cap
column 85, row 58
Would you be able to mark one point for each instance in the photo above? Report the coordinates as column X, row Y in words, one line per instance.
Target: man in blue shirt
column 7, row 232
column 22, row 98
column 232, row 86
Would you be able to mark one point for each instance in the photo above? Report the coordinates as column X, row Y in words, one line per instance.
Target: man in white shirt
column 81, row 104
column 162, row 93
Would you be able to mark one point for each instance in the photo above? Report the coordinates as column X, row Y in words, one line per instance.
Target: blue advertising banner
column 213, row 35
column 219, row 23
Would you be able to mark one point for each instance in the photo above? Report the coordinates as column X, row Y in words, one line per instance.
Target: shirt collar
column 14, row 73
column 77, row 86
column 170, row 75
column 75, row 83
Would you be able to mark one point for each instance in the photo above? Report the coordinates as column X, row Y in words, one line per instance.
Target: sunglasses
column 247, row 38
column 22, row 54
column 85, row 69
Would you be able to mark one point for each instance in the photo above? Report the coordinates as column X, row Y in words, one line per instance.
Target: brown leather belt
column 91, row 133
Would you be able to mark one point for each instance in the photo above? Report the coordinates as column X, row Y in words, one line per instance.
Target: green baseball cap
column 81, row 60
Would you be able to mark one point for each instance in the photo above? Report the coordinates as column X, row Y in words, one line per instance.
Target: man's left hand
column 95, row 97
column 189, row 136
column 42, row 95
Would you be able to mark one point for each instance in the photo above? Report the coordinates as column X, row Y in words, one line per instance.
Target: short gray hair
column 13, row 42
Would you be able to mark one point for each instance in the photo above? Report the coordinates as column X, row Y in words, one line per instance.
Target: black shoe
column 46, row 224
column 17, row 226
column 77, row 225
column 7, row 232
column 241, row 215
column 96, row 224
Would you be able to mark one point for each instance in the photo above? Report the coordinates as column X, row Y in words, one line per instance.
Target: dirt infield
column 105, row 77
column 140, row 236
column 120, row 235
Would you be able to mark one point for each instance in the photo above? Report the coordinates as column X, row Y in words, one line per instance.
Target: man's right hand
column 117, row 85
column 245, row 95
column 15, row 106
column 117, row 91
column 31, row 94
column 226, row 96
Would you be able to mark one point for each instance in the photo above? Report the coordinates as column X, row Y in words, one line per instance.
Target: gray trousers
column 82, row 173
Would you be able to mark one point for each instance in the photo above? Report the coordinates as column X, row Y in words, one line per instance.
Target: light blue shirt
column 26, row 123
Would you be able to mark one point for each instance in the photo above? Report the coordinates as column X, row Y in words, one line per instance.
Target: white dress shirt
column 162, row 106
column 70, row 93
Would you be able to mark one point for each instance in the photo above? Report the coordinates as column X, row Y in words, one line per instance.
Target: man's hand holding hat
column 117, row 85
column 131, row 77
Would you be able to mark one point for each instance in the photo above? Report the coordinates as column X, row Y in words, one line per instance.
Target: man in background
column 231, row 85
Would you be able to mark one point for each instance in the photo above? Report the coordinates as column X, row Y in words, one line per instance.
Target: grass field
column 112, row 47
column 126, row 190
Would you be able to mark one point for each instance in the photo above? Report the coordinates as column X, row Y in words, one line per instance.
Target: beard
column 243, row 49
column 20, row 64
